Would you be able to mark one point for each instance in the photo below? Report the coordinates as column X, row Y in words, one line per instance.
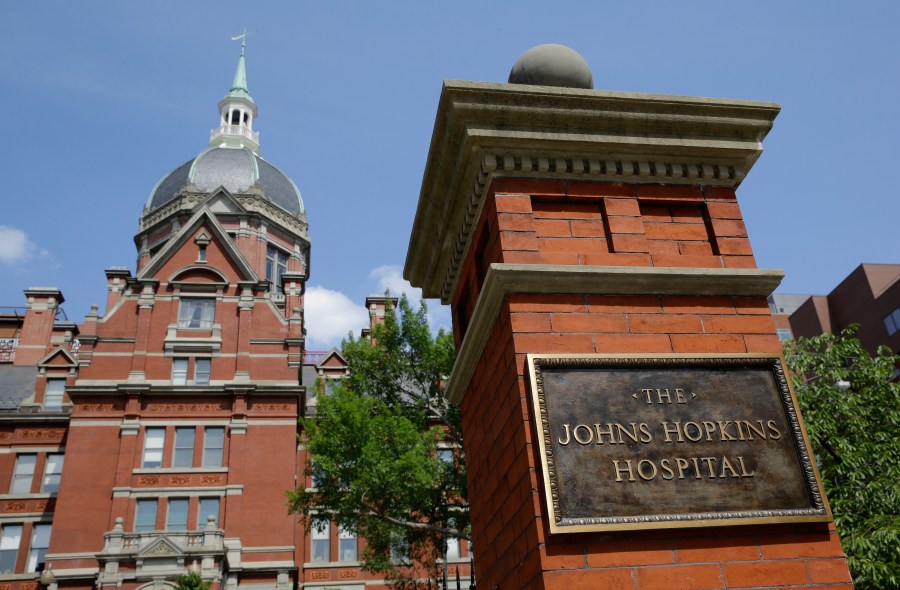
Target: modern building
column 869, row 296
column 161, row 435
column 782, row 305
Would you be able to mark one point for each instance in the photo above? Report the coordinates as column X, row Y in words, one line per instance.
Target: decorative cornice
column 253, row 204
column 504, row 279
column 485, row 130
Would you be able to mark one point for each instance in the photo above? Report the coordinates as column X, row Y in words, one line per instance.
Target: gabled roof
column 203, row 216
column 334, row 353
column 68, row 359
column 222, row 201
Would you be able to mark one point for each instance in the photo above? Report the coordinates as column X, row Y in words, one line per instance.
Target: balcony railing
column 118, row 541
column 8, row 349
column 234, row 130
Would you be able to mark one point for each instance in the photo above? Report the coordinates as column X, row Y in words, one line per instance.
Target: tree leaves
column 191, row 581
column 856, row 436
column 373, row 444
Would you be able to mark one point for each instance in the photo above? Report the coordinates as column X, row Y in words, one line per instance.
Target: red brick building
column 161, row 436
column 868, row 296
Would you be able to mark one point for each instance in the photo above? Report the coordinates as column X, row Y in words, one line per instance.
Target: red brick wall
column 580, row 223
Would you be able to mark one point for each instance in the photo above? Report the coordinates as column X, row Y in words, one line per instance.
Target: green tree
column 386, row 449
column 190, row 581
column 852, row 413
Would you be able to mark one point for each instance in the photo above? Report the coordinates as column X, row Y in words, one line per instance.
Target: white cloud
column 390, row 277
column 15, row 247
column 330, row 315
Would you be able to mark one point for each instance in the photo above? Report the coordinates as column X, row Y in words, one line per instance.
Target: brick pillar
column 40, row 313
column 563, row 229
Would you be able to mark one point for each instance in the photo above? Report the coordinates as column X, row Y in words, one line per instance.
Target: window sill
column 331, row 564
column 157, row 470
column 196, row 340
column 29, row 496
column 10, row 576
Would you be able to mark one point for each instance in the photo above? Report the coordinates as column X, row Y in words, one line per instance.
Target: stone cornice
column 486, row 130
column 504, row 279
column 253, row 205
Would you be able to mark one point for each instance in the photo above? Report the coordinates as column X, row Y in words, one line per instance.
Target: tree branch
column 422, row 526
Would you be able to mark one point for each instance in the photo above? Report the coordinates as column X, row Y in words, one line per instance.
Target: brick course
column 633, row 225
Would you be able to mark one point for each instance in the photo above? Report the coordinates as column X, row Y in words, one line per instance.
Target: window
column 9, row 547
column 177, row 517
column 183, row 455
column 276, row 265
column 321, row 541
column 331, row 383
column 52, row 472
column 452, row 548
column 53, row 395
column 40, row 540
column 179, row 371
column 445, row 455
column 201, row 253
column 145, row 516
column 213, row 446
column 892, row 322
column 154, row 439
column 400, row 549
column 197, row 312
column 208, row 507
column 783, row 333
column 23, row 474
column 318, row 475
column 347, row 545
column 201, row 371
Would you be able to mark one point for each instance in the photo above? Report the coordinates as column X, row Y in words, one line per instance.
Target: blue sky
column 101, row 99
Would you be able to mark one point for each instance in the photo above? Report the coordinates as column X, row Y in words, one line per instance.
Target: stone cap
column 485, row 130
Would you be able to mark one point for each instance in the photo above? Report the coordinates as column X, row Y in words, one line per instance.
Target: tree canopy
column 191, row 581
column 386, row 448
column 852, row 413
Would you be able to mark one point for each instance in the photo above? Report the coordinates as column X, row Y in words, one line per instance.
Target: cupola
column 237, row 111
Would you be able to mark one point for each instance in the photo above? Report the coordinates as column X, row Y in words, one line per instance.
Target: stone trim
column 179, row 470
column 486, row 130
column 272, row 549
column 504, row 279
column 167, row 492
column 18, row 449
column 87, row 555
column 267, row 565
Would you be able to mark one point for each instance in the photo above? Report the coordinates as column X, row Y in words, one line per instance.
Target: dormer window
column 197, row 312
column 202, row 242
column 53, row 395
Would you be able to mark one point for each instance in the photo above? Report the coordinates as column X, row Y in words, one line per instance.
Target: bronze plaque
column 663, row 442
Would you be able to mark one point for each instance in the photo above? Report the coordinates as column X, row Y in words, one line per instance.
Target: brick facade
column 507, row 503
column 574, row 221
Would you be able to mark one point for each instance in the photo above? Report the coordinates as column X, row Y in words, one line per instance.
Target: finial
column 243, row 38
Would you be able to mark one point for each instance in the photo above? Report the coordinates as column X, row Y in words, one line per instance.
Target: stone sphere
column 552, row 65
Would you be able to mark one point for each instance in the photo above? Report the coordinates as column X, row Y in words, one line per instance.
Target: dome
column 552, row 65
column 237, row 169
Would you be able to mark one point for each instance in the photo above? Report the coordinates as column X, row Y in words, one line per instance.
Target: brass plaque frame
column 804, row 477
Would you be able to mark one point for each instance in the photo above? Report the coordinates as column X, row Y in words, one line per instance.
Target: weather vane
column 243, row 38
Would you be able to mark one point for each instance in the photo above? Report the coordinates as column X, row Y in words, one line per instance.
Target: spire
column 237, row 110
column 239, row 84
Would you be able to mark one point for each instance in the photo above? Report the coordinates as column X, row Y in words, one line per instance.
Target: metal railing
column 234, row 130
